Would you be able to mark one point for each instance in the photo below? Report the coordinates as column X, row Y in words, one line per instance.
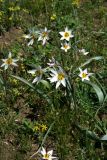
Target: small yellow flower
column 25, row 10
column 53, row 17
column 43, row 127
column 76, row 3
column 36, row 128
column 17, row 8
column 15, row 81
column 11, row 9
column 1, row 95
column 23, row 67
column 1, row 13
column 10, row 18
column 16, row 92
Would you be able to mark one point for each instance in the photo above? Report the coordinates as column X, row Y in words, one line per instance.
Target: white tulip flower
column 66, row 35
column 9, row 61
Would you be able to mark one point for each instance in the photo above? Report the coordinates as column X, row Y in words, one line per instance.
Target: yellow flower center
column 84, row 75
column 46, row 156
column 9, row 61
column 39, row 72
column 33, row 36
column 66, row 34
column 44, row 34
column 65, row 46
column 61, row 76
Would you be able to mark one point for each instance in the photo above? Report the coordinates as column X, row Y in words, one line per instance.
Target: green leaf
column 97, row 90
column 100, row 85
column 45, row 83
column 87, row 133
column 104, row 138
column 91, row 135
column 91, row 59
column 24, row 80
column 105, row 100
column 1, row 80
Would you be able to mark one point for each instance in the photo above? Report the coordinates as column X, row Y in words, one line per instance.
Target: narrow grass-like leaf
column 45, row 83
column 24, row 80
column 104, row 138
column 44, row 139
column 105, row 100
column 1, row 80
column 100, row 85
column 91, row 59
column 91, row 135
column 97, row 90
column 88, row 133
